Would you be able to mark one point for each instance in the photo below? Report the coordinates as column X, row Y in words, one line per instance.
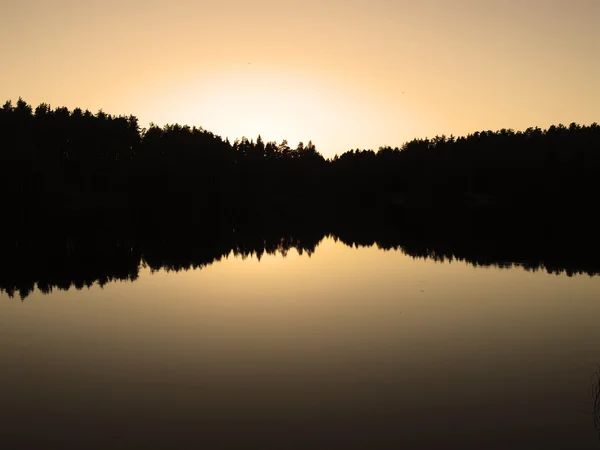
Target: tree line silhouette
column 72, row 163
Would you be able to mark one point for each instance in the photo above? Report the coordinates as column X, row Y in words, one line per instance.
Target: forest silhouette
column 66, row 160
column 91, row 197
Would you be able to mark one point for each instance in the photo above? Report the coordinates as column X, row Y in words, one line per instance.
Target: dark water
column 347, row 348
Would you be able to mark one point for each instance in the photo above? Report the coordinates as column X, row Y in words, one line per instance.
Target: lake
column 343, row 347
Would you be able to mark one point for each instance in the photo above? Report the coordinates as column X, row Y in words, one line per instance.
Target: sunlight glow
column 278, row 106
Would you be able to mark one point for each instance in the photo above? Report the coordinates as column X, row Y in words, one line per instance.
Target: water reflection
column 82, row 258
column 352, row 347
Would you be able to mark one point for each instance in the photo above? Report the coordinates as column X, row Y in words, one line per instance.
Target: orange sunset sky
column 344, row 74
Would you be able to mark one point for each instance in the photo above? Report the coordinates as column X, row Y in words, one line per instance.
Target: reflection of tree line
column 55, row 260
column 60, row 260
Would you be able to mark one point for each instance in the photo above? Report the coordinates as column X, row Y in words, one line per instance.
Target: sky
column 345, row 74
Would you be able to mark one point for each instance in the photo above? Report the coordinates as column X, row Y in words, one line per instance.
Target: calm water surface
column 347, row 348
